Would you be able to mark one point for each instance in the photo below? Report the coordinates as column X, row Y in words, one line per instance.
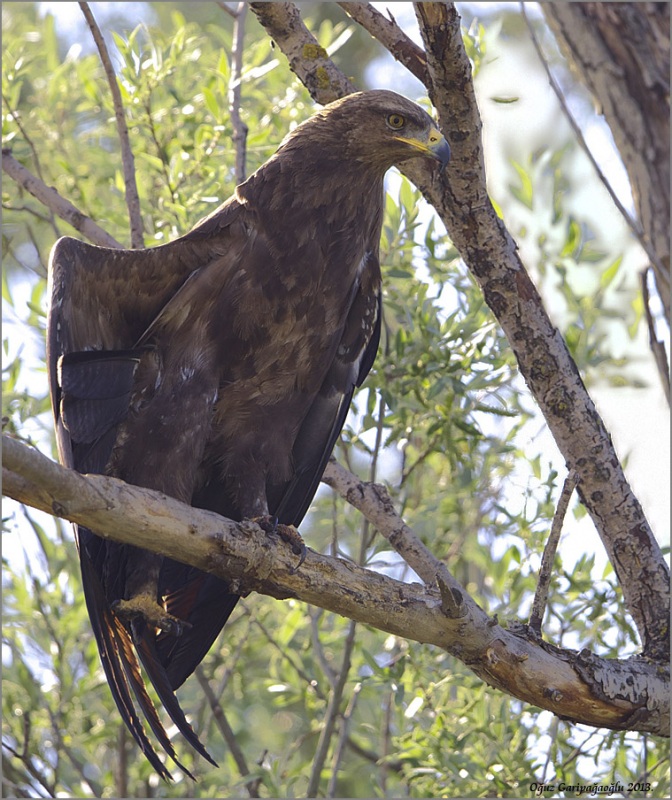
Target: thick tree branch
column 307, row 59
column 460, row 196
column 632, row 694
column 461, row 199
column 55, row 202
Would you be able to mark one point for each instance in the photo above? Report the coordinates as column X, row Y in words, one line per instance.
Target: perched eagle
column 219, row 369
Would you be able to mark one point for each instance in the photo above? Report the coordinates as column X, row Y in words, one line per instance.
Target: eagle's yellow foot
column 288, row 533
column 145, row 607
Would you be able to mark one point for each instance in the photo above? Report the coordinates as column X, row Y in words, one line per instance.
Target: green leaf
column 524, row 192
column 607, row 277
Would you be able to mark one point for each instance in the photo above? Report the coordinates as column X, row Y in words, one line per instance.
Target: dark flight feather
column 219, row 369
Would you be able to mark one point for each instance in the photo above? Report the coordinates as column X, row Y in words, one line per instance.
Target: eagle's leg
column 142, row 601
column 146, row 608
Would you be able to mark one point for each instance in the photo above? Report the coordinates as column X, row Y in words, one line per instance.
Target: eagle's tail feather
column 145, row 644
column 113, row 640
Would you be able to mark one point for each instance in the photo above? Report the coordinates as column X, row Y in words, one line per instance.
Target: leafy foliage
column 438, row 421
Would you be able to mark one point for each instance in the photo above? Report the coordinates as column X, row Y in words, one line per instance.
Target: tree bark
column 629, row 694
column 621, row 53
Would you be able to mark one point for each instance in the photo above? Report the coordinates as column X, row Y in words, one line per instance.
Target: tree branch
column 630, row 694
column 239, row 127
column 461, row 199
column 127, row 160
column 546, row 570
column 307, row 59
column 389, row 34
column 55, row 202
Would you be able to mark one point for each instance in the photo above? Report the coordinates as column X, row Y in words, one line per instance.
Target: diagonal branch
column 56, row 202
column 307, row 59
column 461, row 199
column 389, row 34
column 548, row 557
column 626, row 694
column 227, row 732
column 375, row 503
column 633, row 224
column 127, row 160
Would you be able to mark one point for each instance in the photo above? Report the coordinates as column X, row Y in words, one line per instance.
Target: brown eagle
column 219, row 369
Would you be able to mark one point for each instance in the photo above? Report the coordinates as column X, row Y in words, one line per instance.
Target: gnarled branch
column 628, row 694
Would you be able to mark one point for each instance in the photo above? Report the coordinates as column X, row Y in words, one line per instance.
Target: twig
column 546, row 570
column 160, row 151
column 391, row 36
column 128, row 163
column 32, row 770
column 318, row 650
column 631, row 223
column 227, row 9
column 342, row 740
column 27, row 210
column 79, row 766
column 332, row 712
column 49, row 197
column 121, row 771
column 657, row 347
column 239, row 127
column 227, row 732
column 285, row 654
column 374, row 501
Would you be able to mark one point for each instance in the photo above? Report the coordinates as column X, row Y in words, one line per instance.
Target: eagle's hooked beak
column 435, row 146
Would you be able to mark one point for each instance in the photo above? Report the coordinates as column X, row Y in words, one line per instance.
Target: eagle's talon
column 288, row 534
column 145, row 608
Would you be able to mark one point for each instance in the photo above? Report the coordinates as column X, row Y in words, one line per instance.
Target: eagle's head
column 377, row 128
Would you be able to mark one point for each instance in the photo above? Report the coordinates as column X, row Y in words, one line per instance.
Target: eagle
column 219, row 369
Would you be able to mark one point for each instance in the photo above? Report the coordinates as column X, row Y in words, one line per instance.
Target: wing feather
column 103, row 303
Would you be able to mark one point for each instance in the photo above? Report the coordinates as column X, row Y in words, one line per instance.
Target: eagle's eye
column 396, row 121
